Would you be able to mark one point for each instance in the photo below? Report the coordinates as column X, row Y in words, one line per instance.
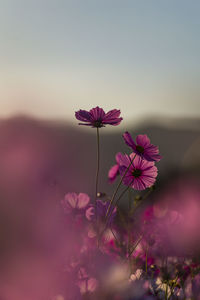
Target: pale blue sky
column 140, row 56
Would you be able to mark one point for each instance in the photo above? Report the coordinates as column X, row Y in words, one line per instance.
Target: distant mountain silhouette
column 56, row 154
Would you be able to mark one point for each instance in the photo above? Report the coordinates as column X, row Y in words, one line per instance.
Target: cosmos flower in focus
column 142, row 147
column 96, row 117
column 75, row 202
column 140, row 175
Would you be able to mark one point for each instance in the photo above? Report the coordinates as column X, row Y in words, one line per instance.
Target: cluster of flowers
column 121, row 254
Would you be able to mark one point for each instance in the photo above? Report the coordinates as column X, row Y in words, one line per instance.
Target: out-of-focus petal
column 90, row 213
column 83, row 200
column 71, row 199
column 113, row 172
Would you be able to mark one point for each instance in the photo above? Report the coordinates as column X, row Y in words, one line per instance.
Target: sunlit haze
column 139, row 56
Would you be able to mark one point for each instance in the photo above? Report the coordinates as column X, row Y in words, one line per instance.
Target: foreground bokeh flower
column 143, row 148
column 73, row 201
column 102, row 208
column 141, row 173
column 97, row 117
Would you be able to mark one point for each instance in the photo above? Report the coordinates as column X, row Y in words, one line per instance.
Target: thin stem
column 129, row 230
column 110, row 212
column 106, row 221
column 166, row 291
column 119, row 184
column 97, row 172
column 134, row 247
column 146, row 260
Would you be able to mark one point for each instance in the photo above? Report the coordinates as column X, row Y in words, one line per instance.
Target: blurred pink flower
column 73, row 201
column 96, row 117
column 143, row 148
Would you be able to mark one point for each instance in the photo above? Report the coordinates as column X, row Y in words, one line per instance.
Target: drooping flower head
column 140, row 175
column 97, row 117
column 142, row 147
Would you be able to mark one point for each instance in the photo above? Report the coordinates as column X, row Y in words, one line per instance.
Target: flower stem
column 97, row 171
column 146, row 259
column 119, row 184
column 110, row 212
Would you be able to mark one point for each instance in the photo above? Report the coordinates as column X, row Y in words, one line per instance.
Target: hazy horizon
column 139, row 56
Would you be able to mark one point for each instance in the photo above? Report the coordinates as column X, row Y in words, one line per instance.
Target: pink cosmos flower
column 96, row 117
column 74, row 202
column 141, row 174
column 143, row 148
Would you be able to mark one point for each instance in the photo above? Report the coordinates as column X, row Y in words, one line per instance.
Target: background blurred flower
column 73, row 201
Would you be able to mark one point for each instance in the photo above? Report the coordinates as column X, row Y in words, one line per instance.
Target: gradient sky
column 140, row 56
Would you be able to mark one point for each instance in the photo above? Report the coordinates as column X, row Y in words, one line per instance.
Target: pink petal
column 128, row 140
column 138, row 184
column 112, row 114
column 142, row 140
column 114, row 122
column 83, row 200
column 97, row 113
column 83, row 115
column 124, row 160
column 137, row 162
column 148, row 181
column 71, row 199
column 90, row 213
column 145, row 164
column 113, row 172
column 112, row 117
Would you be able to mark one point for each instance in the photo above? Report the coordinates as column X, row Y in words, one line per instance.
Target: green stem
column 146, row 261
column 166, row 291
column 97, row 172
column 134, row 247
column 122, row 194
column 119, row 184
column 129, row 231
column 106, row 221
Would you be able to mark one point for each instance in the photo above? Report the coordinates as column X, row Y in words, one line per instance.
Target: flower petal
column 71, row 199
column 97, row 113
column 83, row 200
column 83, row 115
column 113, row 172
column 143, row 140
column 112, row 117
column 112, row 114
column 90, row 213
column 128, row 140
